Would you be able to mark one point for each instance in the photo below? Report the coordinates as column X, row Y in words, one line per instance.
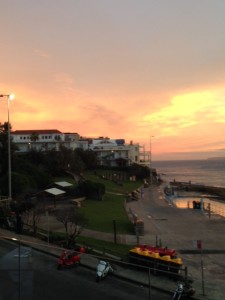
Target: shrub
column 92, row 190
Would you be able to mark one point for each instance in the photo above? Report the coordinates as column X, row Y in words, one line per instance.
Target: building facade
column 43, row 140
column 115, row 152
column 110, row 152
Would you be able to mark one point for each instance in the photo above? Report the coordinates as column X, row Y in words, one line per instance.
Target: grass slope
column 100, row 214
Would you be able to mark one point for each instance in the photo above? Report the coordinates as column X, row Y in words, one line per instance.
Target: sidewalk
column 176, row 228
column 179, row 228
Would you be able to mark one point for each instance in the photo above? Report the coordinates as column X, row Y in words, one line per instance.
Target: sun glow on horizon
column 124, row 71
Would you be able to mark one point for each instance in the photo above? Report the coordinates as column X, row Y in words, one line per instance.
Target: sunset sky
column 118, row 68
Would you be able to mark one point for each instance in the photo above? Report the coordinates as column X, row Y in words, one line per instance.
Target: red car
column 68, row 258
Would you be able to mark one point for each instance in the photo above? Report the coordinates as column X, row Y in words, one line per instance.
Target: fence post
column 114, row 229
column 209, row 210
column 186, row 273
column 149, row 283
column 203, row 281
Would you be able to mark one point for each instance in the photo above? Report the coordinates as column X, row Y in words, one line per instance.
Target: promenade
column 179, row 228
column 175, row 228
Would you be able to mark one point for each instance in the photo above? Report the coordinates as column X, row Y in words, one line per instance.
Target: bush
column 92, row 190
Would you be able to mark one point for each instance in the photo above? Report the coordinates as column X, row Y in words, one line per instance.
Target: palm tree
column 34, row 136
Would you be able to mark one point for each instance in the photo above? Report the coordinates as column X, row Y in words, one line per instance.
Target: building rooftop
column 38, row 131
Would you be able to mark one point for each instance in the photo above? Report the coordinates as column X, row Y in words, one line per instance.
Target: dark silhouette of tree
column 31, row 217
column 27, row 212
column 4, row 167
column 92, row 190
column 140, row 172
column 4, row 148
column 73, row 222
column 89, row 157
column 34, row 136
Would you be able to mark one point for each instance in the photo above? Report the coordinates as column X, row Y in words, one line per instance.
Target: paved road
column 40, row 279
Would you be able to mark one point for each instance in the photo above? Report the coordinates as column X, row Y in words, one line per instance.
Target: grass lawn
column 100, row 214
column 126, row 187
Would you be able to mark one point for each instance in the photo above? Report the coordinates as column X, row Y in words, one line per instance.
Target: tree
column 7, row 217
column 92, row 190
column 89, row 157
column 32, row 215
column 4, row 148
column 26, row 212
column 140, row 172
column 4, row 155
column 73, row 222
column 34, row 136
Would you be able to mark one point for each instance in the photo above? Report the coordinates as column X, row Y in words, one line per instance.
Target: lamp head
column 11, row 96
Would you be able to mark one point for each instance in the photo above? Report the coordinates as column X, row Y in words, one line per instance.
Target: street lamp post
column 150, row 159
column 9, row 97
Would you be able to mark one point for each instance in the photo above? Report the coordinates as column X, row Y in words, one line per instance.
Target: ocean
column 209, row 172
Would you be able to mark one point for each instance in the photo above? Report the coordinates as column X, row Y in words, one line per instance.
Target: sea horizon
column 193, row 159
column 209, row 172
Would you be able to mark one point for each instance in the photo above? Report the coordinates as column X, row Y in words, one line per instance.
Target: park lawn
column 126, row 187
column 101, row 214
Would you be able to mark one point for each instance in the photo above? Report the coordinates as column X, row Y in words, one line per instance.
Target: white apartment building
column 43, row 140
column 115, row 152
column 110, row 152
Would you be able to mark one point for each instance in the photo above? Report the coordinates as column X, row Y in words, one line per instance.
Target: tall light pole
column 9, row 97
column 150, row 158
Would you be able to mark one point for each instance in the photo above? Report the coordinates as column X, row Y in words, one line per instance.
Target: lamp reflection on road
column 19, row 267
